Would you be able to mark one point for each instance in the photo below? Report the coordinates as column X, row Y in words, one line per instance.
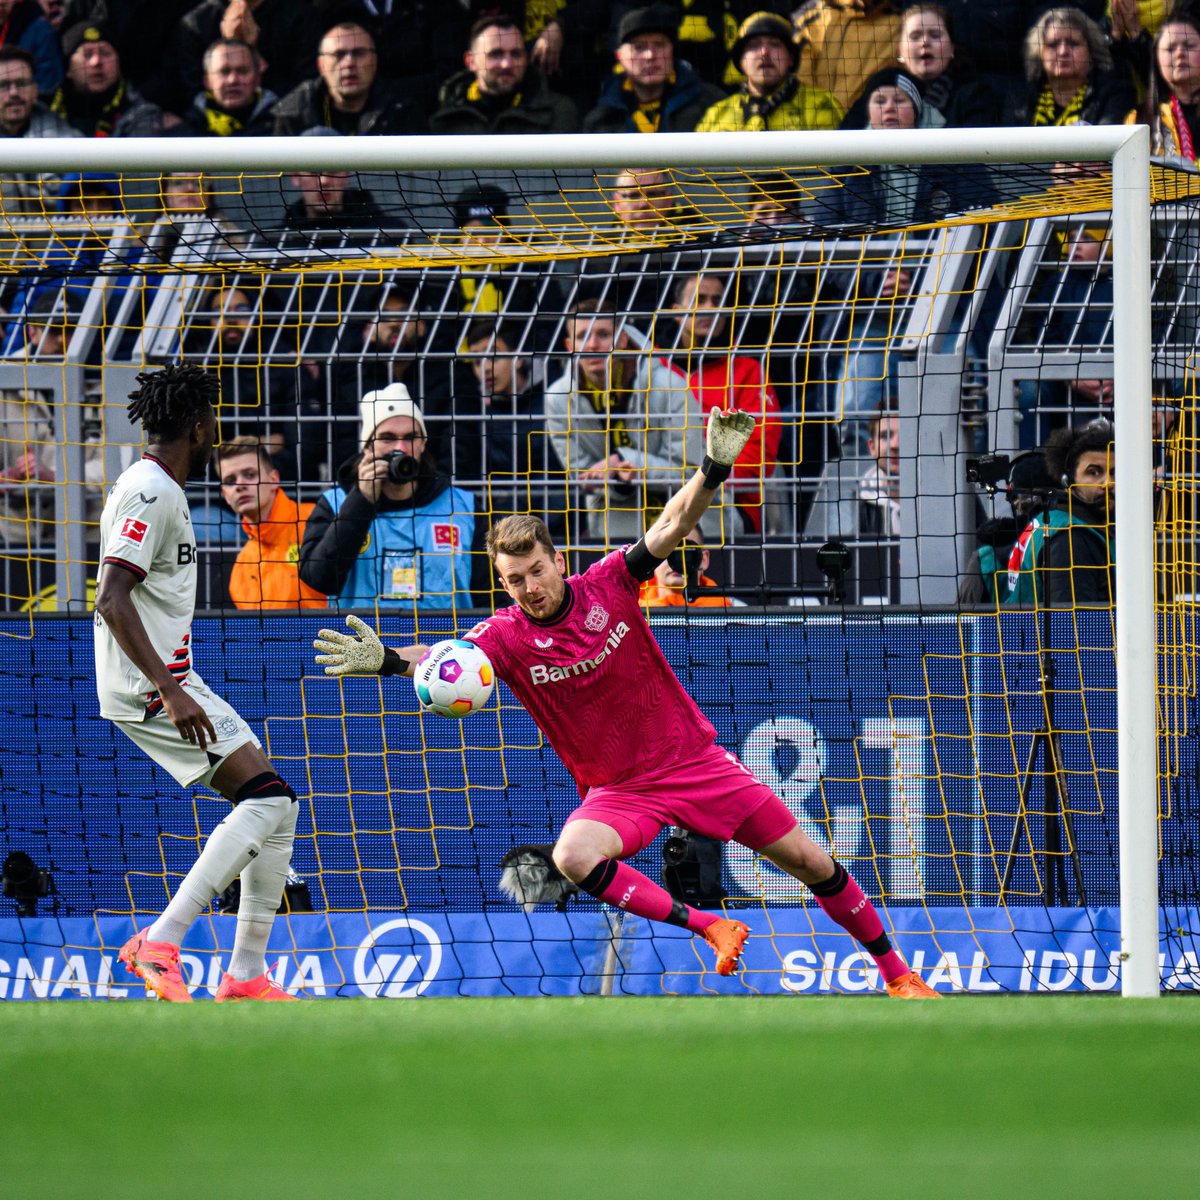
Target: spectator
column 327, row 202
column 390, row 347
column 53, row 11
column 707, row 31
column 1068, row 67
column 887, row 194
column 29, row 452
column 232, row 333
column 233, row 102
column 991, row 571
column 568, row 39
column 623, row 425
column 772, row 97
column 719, row 378
column 990, row 33
column 508, row 444
column 1172, row 107
column 894, row 193
column 479, row 212
column 24, row 26
column 418, row 42
column 1076, row 566
column 844, row 42
column 348, row 97
column 95, row 97
column 22, row 115
column 141, row 30
column 189, row 203
column 852, row 503
column 953, row 93
column 649, row 199
column 679, row 581
column 281, row 31
column 394, row 532
column 500, row 92
column 266, row 573
column 650, row 93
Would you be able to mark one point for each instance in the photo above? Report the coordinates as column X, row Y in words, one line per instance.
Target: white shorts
column 183, row 759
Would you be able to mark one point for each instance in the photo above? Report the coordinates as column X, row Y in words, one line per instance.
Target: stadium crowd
column 234, row 67
column 229, row 68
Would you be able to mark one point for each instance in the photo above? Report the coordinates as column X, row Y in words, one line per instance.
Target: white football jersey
column 146, row 527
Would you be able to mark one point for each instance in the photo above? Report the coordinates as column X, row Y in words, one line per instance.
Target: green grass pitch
column 700, row 1097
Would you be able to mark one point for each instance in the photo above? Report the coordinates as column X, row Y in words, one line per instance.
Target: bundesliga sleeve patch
column 133, row 530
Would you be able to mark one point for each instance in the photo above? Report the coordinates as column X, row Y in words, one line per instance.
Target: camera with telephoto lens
column 685, row 559
column 401, row 467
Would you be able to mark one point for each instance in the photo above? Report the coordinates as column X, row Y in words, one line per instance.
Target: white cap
column 391, row 401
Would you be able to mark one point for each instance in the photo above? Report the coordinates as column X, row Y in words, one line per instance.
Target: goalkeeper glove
column 359, row 653
column 725, row 439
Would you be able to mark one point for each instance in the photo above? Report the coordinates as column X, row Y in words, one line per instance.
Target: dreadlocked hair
column 170, row 401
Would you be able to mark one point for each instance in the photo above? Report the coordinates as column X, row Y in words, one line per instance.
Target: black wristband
column 714, row 473
column 392, row 663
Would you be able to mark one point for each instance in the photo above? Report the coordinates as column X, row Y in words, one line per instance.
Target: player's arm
column 362, row 653
column 727, row 435
column 115, row 607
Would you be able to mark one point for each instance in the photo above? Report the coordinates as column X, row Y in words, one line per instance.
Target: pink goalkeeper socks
column 843, row 901
column 618, row 884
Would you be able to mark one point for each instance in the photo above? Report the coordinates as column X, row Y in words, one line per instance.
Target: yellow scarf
column 221, row 123
column 474, row 95
column 1046, row 108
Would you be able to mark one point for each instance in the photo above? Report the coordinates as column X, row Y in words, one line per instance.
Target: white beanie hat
column 391, row 401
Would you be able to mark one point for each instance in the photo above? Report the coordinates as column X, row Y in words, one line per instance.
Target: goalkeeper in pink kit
column 579, row 654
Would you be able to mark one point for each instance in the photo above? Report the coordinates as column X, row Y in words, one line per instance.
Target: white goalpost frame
column 1127, row 147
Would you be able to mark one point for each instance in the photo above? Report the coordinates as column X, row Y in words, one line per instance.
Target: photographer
column 393, row 532
column 1073, row 548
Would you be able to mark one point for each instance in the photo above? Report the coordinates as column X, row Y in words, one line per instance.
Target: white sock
column 234, row 843
column 263, row 881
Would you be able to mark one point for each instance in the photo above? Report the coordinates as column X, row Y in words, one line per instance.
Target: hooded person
column 394, row 532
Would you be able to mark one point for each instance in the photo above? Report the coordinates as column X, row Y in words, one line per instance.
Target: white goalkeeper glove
column 358, row 653
column 724, row 440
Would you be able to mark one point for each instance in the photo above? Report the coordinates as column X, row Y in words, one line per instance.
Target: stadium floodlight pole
column 1125, row 146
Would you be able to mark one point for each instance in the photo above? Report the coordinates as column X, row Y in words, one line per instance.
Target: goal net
column 895, row 325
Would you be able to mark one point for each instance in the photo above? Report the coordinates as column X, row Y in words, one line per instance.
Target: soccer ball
column 454, row 678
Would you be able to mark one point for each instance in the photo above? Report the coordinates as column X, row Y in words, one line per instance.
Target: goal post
column 815, row 157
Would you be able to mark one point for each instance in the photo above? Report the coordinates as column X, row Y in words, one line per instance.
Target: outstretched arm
column 362, row 653
column 727, row 435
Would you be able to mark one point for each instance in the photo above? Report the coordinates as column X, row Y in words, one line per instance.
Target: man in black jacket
column 234, row 102
column 95, row 97
column 281, row 31
column 651, row 93
column 348, row 97
column 500, row 92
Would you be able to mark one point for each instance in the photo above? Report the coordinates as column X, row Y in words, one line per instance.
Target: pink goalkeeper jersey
column 595, row 680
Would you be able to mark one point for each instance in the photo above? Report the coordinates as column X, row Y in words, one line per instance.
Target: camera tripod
column 989, row 472
column 1056, row 803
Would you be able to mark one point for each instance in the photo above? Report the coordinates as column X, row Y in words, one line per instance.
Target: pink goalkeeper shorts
column 714, row 795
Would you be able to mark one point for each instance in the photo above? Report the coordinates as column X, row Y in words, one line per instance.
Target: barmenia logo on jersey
column 544, row 674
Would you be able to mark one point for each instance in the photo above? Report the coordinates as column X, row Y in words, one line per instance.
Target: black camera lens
column 402, row 468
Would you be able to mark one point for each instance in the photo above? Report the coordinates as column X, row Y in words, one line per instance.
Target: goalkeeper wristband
column 392, row 663
column 714, row 473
